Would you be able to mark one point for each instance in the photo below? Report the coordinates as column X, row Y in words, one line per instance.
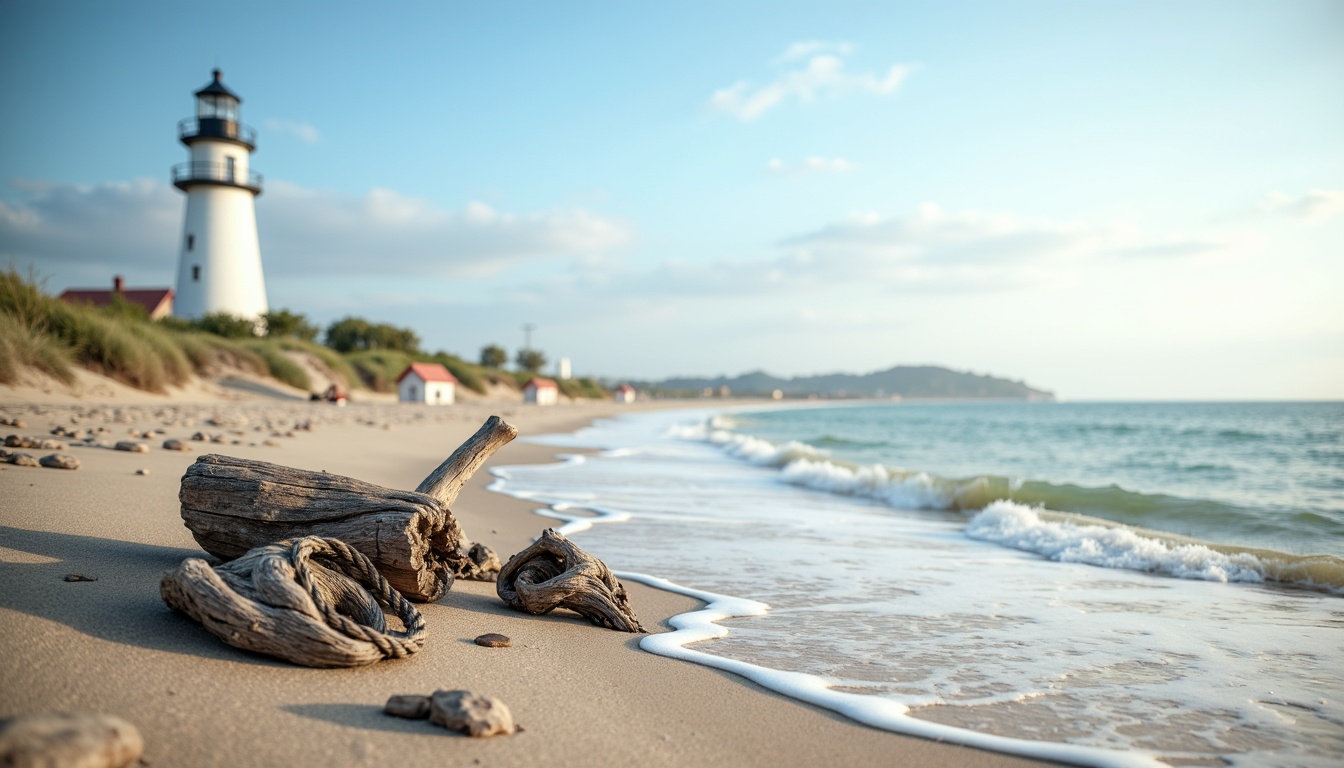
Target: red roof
column 152, row 299
column 625, row 388
column 541, row 383
column 428, row 372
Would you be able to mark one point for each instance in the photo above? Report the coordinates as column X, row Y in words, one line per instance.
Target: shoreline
column 580, row 692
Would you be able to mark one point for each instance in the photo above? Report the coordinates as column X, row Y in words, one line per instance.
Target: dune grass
column 23, row 346
column 120, row 341
column 278, row 365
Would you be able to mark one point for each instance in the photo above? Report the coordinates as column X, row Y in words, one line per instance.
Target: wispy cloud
column 805, row 48
column 1315, row 206
column 809, row 165
column 80, row 234
column 824, row 72
column 301, row 130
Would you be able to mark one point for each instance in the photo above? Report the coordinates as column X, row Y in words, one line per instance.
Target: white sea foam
column 1021, row 527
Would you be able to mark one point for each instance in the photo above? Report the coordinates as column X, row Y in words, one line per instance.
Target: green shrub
column 226, row 325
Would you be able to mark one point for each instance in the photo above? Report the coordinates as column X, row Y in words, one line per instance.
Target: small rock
column 199, row 437
column 23, row 460
column 84, row 740
column 15, row 422
column 470, row 713
column 79, row 577
column 20, row 441
column 142, row 472
column 408, row 706
column 173, row 444
column 50, row 445
column 59, row 461
column 494, row 640
column 271, row 444
column 132, row 446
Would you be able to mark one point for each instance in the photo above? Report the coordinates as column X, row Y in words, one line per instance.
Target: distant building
column 158, row 302
column 427, row 383
column 541, row 391
column 625, row 394
column 563, row 370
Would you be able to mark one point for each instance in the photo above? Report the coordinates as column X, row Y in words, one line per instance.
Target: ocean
column 1099, row 584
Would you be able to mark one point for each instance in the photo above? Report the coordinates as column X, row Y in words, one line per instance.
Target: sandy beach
column 583, row 695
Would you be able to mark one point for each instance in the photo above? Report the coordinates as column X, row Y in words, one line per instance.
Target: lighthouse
column 219, row 263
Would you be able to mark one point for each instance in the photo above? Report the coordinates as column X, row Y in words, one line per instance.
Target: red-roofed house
column 625, row 394
column 541, row 391
column 428, row 383
column 158, row 302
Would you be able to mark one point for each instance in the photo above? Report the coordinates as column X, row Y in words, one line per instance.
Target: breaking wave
column 1108, row 527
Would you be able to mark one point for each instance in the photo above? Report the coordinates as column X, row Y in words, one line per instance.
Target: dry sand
column 584, row 695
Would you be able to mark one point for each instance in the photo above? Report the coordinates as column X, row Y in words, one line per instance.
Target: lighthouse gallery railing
column 201, row 172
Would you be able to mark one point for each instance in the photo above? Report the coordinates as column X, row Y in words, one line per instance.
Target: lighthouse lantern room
column 219, row 263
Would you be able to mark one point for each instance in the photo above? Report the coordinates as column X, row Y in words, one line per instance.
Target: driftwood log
column 302, row 600
column 554, row 573
column 233, row 505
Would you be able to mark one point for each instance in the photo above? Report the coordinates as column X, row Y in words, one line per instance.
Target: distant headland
column 900, row 382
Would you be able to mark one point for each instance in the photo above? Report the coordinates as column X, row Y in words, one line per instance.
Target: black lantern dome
column 216, row 117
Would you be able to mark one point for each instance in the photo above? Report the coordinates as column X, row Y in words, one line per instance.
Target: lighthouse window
column 228, row 168
column 195, row 273
column 191, row 242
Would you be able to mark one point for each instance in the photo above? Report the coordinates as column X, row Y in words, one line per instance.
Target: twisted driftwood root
column 233, row 505
column 299, row 600
column 553, row 573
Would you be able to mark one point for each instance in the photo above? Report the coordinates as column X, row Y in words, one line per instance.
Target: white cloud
column 1316, row 206
column 303, row 131
column 81, row 234
column 810, row 165
column 823, row 73
column 807, row 48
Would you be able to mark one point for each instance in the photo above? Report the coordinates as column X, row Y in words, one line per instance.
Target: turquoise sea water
column 1253, row 474
column 974, row 573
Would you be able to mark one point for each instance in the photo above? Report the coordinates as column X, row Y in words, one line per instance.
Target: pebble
column 142, row 472
column 59, row 461
column 471, row 713
column 15, row 422
column 409, row 706
column 84, row 740
column 493, row 640
column 173, row 444
column 132, row 446
column 23, row 460
column 79, row 577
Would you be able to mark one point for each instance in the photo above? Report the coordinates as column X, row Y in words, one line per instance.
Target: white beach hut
column 625, row 394
column 427, row 383
column 541, row 391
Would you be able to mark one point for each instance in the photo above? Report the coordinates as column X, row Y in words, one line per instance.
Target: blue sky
column 1109, row 200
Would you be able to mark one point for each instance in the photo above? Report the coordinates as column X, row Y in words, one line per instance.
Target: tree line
column 348, row 334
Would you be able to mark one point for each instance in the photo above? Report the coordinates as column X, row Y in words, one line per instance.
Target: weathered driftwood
column 232, row 505
column 554, row 573
column 302, row 600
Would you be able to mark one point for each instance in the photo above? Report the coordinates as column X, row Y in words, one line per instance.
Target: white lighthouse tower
column 219, row 268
